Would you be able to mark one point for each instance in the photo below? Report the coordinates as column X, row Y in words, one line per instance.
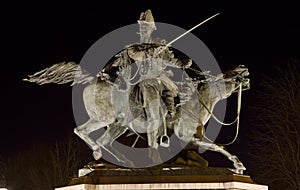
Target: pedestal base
column 169, row 186
column 171, row 178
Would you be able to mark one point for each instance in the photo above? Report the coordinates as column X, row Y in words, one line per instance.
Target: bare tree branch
column 275, row 145
column 46, row 167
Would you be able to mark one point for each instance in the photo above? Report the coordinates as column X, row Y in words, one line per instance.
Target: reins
column 237, row 119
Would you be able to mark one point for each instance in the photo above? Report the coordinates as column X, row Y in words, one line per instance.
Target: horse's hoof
column 240, row 166
column 129, row 164
column 97, row 154
column 236, row 171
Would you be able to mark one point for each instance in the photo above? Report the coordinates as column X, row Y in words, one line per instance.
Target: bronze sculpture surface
column 136, row 94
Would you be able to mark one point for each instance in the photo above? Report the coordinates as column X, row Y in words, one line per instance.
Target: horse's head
column 235, row 78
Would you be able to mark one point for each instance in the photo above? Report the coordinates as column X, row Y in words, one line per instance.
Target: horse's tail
column 61, row 73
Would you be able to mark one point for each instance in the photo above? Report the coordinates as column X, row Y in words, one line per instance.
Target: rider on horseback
column 151, row 64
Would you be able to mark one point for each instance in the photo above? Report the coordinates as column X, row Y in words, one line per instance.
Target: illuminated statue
column 151, row 102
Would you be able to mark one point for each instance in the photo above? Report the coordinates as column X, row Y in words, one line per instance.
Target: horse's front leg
column 238, row 165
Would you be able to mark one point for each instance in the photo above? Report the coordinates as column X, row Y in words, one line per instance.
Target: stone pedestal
column 170, row 186
column 172, row 177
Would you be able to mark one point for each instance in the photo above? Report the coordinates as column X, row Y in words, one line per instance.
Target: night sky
column 259, row 35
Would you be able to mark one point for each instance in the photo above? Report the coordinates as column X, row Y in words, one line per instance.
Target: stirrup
column 164, row 141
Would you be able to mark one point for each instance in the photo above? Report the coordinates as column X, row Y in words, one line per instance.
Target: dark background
column 260, row 35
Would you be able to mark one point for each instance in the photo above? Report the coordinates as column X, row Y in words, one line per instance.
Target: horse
column 99, row 105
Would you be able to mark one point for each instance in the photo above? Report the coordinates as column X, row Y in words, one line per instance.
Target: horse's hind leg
column 239, row 167
column 113, row 132
column 83, row 132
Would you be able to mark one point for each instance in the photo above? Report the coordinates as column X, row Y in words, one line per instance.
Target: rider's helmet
column 147, row 26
